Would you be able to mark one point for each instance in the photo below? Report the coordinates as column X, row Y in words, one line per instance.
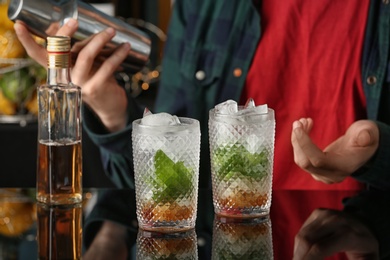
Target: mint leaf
column 172, row 179
column 237, row 161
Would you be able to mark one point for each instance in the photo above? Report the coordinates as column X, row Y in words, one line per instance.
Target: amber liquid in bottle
column 59, row 172
column 59, row 162
column 59, row 233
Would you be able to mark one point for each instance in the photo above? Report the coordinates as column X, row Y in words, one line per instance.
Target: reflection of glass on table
column 242, row 238
column 241, row 153
column 180, row 246
column 283, row 228
column 166, row 167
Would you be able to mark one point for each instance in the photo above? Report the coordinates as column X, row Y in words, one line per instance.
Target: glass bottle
column 59, row 166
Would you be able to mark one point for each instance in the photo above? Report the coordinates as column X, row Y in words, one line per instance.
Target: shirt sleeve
column 115, row 148
column 376, row 173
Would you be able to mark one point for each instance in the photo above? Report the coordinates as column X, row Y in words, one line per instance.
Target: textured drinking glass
column 242, row 239
column 166, row 167
column 154, row 245
column 241, row 153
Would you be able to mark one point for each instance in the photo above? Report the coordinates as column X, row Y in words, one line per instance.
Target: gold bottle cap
column 58, row 44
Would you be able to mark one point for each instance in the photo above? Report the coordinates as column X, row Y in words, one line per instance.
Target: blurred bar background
column 18, row 133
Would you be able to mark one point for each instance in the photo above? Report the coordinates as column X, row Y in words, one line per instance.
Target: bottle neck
column 58, row 70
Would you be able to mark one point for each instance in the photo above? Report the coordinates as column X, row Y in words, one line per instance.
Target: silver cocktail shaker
column 43, row 17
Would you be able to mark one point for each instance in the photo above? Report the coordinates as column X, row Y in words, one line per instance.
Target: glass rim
column 269, row 116
column 188, row 124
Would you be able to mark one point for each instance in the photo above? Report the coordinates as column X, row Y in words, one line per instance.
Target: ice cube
column 249, row 103
column 228, row 107
column 159, row 119
column 256, row 110
column 147, row 112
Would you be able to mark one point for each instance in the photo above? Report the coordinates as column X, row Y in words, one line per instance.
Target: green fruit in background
column 16, row 84
column 38, row 72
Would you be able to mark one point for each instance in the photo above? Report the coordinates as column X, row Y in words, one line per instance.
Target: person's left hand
column 327, row 232
column 339, row 159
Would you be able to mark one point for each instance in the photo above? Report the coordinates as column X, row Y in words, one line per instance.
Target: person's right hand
column 100, row 90
column 327, row 232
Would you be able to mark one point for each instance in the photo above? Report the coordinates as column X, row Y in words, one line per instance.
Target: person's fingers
column 300, row 128
column 313, row 228
column 307, row 124
column 313, row 153
column 300, row 157
column 315, row 239
column 69, row 28
column 33, row 49
column 363, row 133
column 303, row 242
column 308, row 155
column 356, row 147
column 108, row 67
column 335, row 242
column 364, row 138
column 114, row 61
column 88, row 54
column 326, row 232
column 301, row 248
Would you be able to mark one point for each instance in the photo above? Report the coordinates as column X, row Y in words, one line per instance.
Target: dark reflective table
column 232, row 239
column 29, row 230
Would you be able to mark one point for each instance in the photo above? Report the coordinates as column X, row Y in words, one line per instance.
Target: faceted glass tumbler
column 242, row 239
column 154, row 245
column 241, row 154
column 166, row 168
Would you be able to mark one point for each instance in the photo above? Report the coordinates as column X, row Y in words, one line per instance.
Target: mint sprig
column 172, row 180
column 237, row 161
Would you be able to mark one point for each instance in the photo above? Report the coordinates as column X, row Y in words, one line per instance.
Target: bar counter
column 28, row 229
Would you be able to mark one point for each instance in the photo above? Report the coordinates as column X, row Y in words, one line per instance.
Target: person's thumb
column 364, row 138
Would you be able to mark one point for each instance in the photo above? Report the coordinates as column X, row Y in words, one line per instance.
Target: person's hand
column 327, row 232
column 100, row 90
column 109, row 243
column 339, row 159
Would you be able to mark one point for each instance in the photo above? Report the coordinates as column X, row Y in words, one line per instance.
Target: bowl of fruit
column 19, row 75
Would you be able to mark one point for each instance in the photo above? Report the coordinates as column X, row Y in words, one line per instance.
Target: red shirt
column 307, row 64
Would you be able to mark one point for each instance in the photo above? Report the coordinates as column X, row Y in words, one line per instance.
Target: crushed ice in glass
column 230, row 107
column 159, row 119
